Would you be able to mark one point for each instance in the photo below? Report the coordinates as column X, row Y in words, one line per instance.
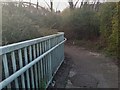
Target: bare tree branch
column 47, row 4
column 76, row 3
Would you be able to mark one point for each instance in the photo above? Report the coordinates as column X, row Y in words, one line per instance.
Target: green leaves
column 109, row 27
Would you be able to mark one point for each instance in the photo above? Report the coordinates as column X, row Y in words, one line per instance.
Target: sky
column 57, row 4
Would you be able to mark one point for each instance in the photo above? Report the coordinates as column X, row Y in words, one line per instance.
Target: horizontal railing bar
column 8, row 80
column 19, row 45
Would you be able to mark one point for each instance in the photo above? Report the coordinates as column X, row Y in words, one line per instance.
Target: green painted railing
column 32, row 63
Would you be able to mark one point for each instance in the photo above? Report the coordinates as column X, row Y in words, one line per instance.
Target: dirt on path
column 85, row 69
column 90, row 69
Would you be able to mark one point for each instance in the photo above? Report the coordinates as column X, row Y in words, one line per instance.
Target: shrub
column 84, row 24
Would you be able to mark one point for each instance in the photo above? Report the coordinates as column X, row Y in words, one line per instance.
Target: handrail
column 18, row 73
column 33, row 62
column 16, row 46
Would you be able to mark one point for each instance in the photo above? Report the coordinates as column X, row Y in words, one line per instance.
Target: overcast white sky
column 59, row 4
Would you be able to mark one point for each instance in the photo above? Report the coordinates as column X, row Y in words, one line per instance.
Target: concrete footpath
column 90, row 69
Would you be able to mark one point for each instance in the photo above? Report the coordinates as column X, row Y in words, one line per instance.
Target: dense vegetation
column 109, row 27
column 19, row 24
column 100, row 28
column 84, row 23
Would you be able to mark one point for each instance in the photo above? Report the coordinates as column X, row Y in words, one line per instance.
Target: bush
column 16, row 26
column 21, row 24
column 109, row 27
column 84, row 24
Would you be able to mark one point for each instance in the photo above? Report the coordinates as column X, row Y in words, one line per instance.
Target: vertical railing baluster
column 52, row 54
column 54, row 41
column 62, row 38
column 47, row 68
column 54, row 63
column 21, row 65
column 50, row 67
column 56, row 52
column 47, row 74
column 51, row 43
column 32, row 75
column 45, row 71
column 14, row 68
column 57, row 60
column 41, row 66
column 36, row 75
column 46, row 60
column 38, row 64
column 37, row 48
column 42, row 77
column 45, row 63
column 27, row 72
column 40, row 48
column 6, row 70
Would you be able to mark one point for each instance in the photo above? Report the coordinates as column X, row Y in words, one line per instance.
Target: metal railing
column 32, row 63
